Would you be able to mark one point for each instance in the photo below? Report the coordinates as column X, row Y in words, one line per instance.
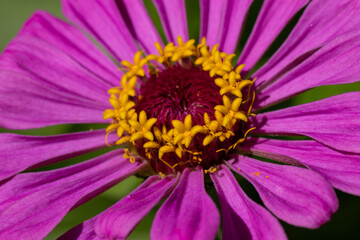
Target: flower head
column 180, row 114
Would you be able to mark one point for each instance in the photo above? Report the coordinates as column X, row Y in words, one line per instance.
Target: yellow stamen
column 210, row 170
column 106, row 139
column 127, row 155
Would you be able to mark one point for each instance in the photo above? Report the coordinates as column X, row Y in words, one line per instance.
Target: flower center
column 177, row 92
column 190, row 110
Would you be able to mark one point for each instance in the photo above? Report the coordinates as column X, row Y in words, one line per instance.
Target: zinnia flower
column 182, row 115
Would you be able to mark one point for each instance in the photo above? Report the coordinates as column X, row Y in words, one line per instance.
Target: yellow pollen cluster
column 136, row 128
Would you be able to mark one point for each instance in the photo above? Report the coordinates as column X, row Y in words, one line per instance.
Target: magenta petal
column 118, row 221
column 335, row 63
column 273, row 17
column 242, row 217
column 83, row 231
column 189, row 213
column 221, row 22
column 204, row 16
column 33, row 102
column 341, row 169
column 45, row 79
column 332, row 121
column 212, row 20
column 52, row 68
column 296, row 195
column 321, row 22
column 141, row 26
column 71, row 41
column 233, row 24
column 173, row 18
column 38, row 201
column 19, row 152
column 103, row 21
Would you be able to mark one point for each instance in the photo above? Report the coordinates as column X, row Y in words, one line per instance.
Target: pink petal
column 322, row 21
column 204, row 17
column 118, row 221
column 332, row 121
column 103, row 21
column 273, row 17
column 296, row 195
column 38, row 201
column 19, row 152
column 335, row 63
column 212, row 20
column 189, row 213
column 71, row 41
column 173, row 18
column 233, row 24
column 222, row 21
column 242, row 217
column 341, row 169
column 140, row 24
column 48, row 77
column 83, row 231
column 33, row 101
column 122, row 218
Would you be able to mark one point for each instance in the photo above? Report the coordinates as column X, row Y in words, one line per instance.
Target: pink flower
column 51, row 73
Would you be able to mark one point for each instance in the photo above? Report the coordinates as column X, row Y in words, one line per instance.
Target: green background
column 345, row 223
